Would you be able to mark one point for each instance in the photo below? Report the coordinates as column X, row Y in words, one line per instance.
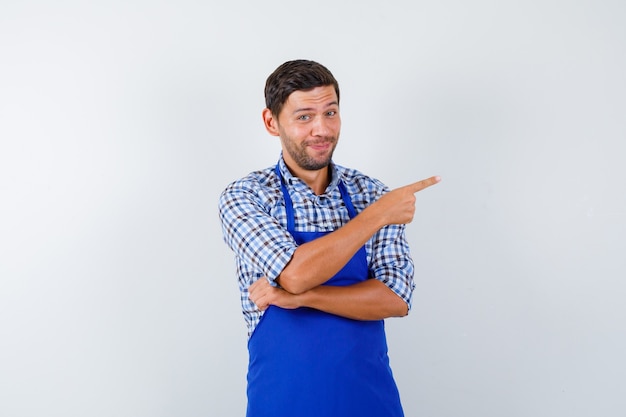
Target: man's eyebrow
column 331, row 104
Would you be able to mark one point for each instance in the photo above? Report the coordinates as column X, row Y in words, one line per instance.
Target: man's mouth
column 320, row 146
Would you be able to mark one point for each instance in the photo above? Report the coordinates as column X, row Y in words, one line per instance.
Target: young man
column 321, row 259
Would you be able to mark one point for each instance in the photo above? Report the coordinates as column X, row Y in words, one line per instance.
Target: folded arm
column 367, row 300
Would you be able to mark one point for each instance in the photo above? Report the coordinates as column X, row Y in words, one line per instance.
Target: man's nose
column 321, row 127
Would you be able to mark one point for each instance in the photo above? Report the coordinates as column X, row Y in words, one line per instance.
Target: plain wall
column 122, row 121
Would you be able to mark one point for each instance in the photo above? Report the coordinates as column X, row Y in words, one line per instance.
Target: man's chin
column 316, row 164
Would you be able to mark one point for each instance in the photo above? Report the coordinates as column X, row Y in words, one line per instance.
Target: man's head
column 302, row 100
column 292, row 76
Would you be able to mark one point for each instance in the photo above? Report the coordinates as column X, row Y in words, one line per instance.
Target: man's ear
column 271, row 122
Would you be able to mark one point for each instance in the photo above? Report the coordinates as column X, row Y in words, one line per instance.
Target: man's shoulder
column 255, row 179
column 261, row 186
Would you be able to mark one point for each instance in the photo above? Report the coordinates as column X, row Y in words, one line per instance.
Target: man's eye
column 304, row 117
column 331, row 113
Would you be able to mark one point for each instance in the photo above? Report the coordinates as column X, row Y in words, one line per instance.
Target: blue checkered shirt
column 254, row 224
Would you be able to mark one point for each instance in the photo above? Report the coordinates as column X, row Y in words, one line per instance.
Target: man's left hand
column 263, row 295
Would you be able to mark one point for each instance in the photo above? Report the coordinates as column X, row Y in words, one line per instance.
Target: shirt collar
column 290, row 179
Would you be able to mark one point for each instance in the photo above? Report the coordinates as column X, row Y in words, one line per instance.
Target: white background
column 121, row 122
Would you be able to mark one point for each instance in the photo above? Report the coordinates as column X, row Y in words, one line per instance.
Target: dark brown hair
column 293, row 76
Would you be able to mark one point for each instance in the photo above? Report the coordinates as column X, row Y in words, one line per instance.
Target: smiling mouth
column 320, row 146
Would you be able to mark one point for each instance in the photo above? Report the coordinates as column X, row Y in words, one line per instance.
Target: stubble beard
column 305, row 161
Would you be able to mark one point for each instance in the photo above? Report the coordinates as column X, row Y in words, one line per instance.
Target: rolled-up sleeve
column 391, row 262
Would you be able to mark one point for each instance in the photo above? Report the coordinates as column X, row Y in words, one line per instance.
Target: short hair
column 292, row 76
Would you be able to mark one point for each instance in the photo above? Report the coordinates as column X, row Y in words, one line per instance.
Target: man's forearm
column 315, row 262
column 367, row 300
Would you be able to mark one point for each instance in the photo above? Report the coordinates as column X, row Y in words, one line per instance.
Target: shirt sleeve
column 391, row 261
column 256, row 237
column 389, row 256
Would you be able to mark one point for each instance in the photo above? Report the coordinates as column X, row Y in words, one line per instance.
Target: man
column 322, row 260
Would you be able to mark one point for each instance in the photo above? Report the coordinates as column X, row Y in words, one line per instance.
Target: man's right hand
column 398, row 206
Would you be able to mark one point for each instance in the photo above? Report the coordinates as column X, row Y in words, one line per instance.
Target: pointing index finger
column 420, row 185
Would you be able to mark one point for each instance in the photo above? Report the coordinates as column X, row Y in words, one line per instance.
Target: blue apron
column 305, row 362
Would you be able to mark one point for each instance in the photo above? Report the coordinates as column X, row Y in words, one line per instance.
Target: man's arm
column 315, row 262
column 367, row 300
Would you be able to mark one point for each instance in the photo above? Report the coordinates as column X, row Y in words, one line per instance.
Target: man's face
column 308, row 126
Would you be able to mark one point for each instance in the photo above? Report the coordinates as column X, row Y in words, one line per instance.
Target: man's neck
column 317, row 180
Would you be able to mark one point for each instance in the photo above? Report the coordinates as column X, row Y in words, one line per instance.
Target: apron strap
column 347, row 200
column 288, row 203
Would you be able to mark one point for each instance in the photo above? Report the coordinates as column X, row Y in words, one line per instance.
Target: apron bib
column 305, row 362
